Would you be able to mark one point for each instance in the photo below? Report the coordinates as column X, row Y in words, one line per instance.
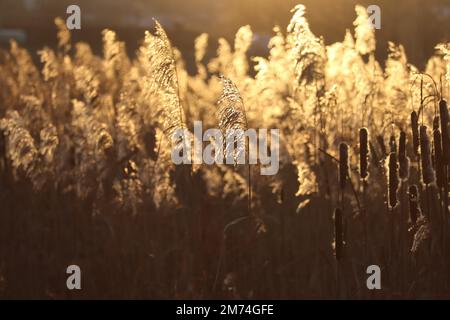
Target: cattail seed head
column 443, row 113
column 414, row 204
column 403, row 159
column 425, row 155
column 343, row 164
column 415, row 132
column 363, row 153
column 338, row 234
column 393, row 180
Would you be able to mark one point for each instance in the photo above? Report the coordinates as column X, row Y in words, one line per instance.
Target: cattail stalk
column 338, row 234
column 403, row 162
column 363, row 170
column 392, row 201
column 338, row 246
column 392, row 144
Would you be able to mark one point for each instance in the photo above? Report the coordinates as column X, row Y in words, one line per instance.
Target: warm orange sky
column 417, row 24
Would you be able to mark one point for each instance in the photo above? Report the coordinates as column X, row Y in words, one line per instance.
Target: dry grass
column 86, row 176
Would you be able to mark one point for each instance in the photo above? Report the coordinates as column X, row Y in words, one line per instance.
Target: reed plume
column 233, row 124
column 163, row 80
column 97, row 175
column 232, row 119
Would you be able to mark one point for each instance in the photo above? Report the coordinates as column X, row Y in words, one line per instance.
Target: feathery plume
column 63, row 34
column 364, row 33
column 163, row 80
column 232, row 119
column 307, row 49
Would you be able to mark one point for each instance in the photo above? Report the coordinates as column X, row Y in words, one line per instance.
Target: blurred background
column 417, row 24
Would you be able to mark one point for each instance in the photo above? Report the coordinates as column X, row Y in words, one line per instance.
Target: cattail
column 414, row 204
column 425, row 155
column 343, row 164
column 338, row 234
column 443, row 112
column 415, row 132
column 392, row 144
column 393, row 180
column 363, row 153
column 403, row 159
column 438, row 156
